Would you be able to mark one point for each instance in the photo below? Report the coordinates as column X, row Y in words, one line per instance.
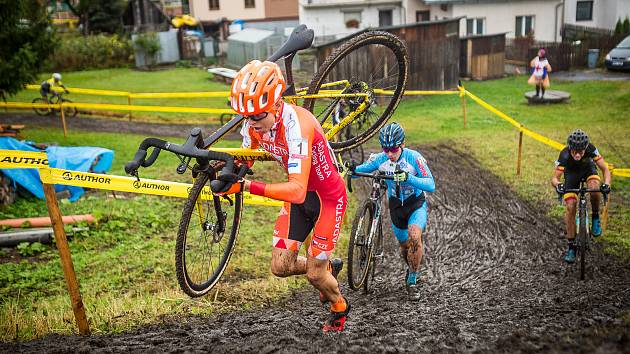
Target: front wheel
column 376, row 255
column 206, row 237
column 40, row 111
column 370, row 70
column 360, row 248
column 582, row 245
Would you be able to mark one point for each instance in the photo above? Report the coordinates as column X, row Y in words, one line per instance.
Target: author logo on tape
column 137, row 184
column 149, row 185
column 67, row 176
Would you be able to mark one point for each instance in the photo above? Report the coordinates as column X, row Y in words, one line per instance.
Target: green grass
column 125, row 263
column 124, row 79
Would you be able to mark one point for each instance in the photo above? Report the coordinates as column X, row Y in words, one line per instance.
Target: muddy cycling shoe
column 336, row 320
column 334, row 267
column 596, row 228
column 413, row 291
column 570, row 256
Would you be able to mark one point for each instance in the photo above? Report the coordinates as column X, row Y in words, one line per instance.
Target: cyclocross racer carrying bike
column 577, row 162
column 48, row 86
column 314, row 195
column 409, row 212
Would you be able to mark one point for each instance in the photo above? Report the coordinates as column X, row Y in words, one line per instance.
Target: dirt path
column 496, row 284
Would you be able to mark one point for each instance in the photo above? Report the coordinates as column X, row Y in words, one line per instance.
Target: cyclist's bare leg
column 595, row 197
column 319, row 276
column 285, row 263
column 414, row 256
column 569, row 217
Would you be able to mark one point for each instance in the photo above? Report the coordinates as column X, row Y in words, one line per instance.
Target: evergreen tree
column 98, row 16
column 26, row 41
column 619, row 27
column 626, row 26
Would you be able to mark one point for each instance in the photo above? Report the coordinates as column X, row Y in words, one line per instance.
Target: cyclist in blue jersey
column 408, row 211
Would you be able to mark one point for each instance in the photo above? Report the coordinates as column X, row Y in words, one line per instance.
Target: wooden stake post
column 520, row 153
column 604, row 215
column 66, row 260
column 129, row 103
column 63, row 120
column 464, row 108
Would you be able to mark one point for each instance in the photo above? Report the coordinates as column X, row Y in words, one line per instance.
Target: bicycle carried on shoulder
column 583, row 234
column 209, row 224
column 365, row 248
column 54, row 99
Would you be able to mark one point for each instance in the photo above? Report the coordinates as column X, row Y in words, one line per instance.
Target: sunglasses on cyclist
column 393, row 150
column 257, row 117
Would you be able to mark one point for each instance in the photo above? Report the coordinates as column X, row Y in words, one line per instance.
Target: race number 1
column 298, row 149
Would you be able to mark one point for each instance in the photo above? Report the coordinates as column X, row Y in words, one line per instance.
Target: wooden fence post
column 66, row 260
column 604, row 215
column 464, row 108
column 63, row 120
column 129, row 103
column 520, row 153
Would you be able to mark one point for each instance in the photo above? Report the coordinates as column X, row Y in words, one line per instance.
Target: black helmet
column 391, row 135
column 578, row 140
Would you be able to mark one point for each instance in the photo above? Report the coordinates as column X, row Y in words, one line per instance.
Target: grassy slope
column 126, row 265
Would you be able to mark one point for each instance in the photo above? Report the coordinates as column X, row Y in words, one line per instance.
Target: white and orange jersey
column 298, row 143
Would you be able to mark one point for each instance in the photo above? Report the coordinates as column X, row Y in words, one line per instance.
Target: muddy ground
column 495, row 284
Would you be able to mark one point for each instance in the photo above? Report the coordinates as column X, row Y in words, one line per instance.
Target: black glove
column 605, row 188
column 560, row 188
column 352, row 166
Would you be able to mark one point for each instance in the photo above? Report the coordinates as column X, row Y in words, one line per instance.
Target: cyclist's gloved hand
column 228, row 177
column 352, row 166
column 605, row 188
column 401, row 176
column 560, row 188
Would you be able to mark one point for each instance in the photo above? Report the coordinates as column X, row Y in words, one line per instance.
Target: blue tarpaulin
column 68, row 158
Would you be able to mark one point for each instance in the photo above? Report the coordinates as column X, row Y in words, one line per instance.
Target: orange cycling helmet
column 257, row 87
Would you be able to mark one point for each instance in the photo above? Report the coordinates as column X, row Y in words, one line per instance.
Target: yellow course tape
column 85, row 91
column 121, row 107
column 22, row 159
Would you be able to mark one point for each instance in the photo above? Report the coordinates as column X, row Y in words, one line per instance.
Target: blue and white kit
column 411, row 207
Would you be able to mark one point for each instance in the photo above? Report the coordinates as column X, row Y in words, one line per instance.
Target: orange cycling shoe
column 337, row 319
column 334, row 267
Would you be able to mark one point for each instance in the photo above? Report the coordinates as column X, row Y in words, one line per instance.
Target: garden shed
column 482, row 57
column 251, row 43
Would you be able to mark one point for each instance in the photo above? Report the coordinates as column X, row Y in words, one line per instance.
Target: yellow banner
column 121, row 107
column 22, row 159
column 621, row 172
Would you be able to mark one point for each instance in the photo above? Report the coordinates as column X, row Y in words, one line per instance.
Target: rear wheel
column 373, row 66
column 359, row 250
column 40, row 111
column 69, row 111
column 206, row 237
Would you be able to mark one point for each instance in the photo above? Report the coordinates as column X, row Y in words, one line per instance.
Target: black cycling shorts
column 400, row 212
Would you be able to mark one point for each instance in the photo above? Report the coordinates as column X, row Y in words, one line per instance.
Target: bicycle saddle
column 300, row 38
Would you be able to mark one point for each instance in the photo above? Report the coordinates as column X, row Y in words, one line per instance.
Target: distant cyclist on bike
column 409, row 211
column 578, row 161
column 48, row 87
column 314, row 195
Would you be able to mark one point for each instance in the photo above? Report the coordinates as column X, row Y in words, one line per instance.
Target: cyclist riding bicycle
column 48, row 86
column 578, row 161
column 314, row 195
column 408, row 211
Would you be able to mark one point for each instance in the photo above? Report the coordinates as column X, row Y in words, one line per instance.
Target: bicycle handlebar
column 583, row 191
column 374, row 175
column 191, row 148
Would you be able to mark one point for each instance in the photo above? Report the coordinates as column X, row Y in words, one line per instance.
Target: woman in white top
column 540, row 73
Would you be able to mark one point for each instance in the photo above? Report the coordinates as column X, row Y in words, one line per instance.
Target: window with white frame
column 352, row 19
column 584, row 11
column 524, row 25
column 475, row 26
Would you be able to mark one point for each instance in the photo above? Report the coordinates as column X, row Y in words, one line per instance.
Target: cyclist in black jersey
column 579, row 161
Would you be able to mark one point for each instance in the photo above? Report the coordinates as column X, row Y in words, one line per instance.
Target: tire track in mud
column 495, row 283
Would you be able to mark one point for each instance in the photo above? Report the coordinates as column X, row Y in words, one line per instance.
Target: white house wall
column 329, row 21
column 605, row 13
column 230, row 9
column 501, row 17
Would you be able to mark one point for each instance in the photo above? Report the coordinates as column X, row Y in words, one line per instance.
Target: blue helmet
column 392, row 135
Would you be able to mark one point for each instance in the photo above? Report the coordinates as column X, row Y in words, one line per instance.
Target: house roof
column 350, row 3
column 250, row 35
